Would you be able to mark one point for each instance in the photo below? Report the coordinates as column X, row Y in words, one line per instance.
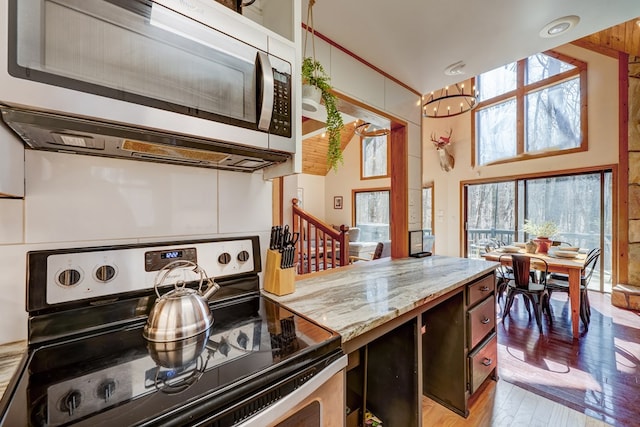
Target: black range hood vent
column 68, row 134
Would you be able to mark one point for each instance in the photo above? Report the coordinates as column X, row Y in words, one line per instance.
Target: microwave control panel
column 281, row 115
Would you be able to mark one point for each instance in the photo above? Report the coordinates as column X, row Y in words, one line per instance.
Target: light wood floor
column 504, row 404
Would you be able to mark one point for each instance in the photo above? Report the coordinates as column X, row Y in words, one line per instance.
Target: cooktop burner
column 89, row 364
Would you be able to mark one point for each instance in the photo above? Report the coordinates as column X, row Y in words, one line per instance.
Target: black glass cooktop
column 118, row 378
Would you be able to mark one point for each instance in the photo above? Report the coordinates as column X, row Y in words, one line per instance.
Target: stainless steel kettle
column 182, row 312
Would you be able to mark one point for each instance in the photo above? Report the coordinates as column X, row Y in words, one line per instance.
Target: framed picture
column 337, row 202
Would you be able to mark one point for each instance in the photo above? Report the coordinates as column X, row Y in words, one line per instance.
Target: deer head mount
column 447, row 161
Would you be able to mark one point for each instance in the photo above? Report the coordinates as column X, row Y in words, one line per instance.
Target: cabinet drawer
column 481, row 289
column 482, row 319
column 482, row 362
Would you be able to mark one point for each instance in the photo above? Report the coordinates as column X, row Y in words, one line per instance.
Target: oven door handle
column 284, row 406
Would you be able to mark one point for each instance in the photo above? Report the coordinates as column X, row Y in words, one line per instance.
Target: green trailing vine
column 313, row 74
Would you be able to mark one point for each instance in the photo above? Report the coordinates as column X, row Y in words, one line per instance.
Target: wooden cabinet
column 459, row 345
column 382, row 377
column 444, row 349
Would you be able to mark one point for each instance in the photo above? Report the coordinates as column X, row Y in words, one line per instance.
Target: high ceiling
column 414, row 41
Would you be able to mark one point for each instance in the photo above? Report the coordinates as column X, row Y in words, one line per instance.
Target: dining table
column 570, row 266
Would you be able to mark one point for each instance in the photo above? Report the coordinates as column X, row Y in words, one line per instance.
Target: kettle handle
column 164, row 272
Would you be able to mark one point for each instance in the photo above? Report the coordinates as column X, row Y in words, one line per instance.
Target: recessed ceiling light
column 455, row 69
column 559, row 26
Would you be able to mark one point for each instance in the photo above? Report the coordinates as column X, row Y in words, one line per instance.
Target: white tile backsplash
column 245, row 202
column 75, row 197
column 11, row 221
column 80, row 201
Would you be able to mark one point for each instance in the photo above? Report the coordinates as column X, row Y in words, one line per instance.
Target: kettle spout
column 211, row 289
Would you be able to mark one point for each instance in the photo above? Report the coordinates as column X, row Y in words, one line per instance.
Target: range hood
column 69, row 134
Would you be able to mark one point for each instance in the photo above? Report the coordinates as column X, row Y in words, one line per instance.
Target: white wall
column 602, row 89
column 79, row 201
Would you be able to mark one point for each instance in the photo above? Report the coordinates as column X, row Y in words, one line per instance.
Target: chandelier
column 368, row 130
column 451, row 101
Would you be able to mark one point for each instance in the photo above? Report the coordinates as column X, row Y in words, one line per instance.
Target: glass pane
column 372, row 215
column 572, row 202
column 496, row 82
column 496, row 132
column 553, row 117
column 427, row 209
column 374, row 156
column 541, row 66
column 490, row 216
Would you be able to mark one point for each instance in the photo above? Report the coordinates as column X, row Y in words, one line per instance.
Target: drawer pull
column 487, row 361
column 485, row 321
column 484, row 288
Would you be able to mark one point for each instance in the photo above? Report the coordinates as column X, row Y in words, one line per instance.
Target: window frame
column 354, row 192
column 388, row 154
column 520, row 93
column 430, row 186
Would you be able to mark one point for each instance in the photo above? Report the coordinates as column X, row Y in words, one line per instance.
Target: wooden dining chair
column 523, row 283
column 560, row 283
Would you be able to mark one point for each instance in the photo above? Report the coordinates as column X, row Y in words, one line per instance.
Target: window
column 427, row 209
column 545, row 93
column 580, row 204
column 372, row 215
column 374, row 154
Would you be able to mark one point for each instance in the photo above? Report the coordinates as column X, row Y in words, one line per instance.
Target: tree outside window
column 545, row 93
column 372, row 210
column 374, row 155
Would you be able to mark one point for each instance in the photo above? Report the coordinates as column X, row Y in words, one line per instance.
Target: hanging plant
column 313, row 74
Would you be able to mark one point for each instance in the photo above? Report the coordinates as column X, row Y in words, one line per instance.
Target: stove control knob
column 243, row 340
column 106, row 390
column 71, row 402
column 224, row 348
column 224, row 258
column 104, row 273
column 243, row 256
column 69, row 277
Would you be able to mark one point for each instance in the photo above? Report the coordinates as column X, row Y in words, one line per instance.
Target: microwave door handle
column 267, row 96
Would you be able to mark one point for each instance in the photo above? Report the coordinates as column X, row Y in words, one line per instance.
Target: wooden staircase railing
column 320, row 246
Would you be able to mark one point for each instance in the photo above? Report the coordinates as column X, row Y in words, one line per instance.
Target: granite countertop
column 10, row 355
column 361, row 297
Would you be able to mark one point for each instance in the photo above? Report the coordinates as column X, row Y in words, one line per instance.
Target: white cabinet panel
column 11, row 221
column 401, row 102
column 11, row 163
column 74, row 197
column 415, row 173
column 245, row 202
column 415, row 140
column 355, row 79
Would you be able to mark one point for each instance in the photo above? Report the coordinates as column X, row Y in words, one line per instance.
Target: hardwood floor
column 502, row 404
column 552, row 380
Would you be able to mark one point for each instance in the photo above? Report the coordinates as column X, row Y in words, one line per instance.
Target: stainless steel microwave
column 177, row 67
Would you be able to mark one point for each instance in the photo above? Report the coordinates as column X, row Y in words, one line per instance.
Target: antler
column 442, row 141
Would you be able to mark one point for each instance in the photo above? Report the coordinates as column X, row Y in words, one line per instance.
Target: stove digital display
column 171, row 255
column 156, row 260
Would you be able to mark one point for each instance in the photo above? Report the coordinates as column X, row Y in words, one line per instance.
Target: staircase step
column 626, row 296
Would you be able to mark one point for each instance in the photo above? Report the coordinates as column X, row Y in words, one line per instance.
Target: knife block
column 278, row 281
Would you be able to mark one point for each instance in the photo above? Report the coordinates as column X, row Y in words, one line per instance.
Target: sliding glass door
column 580, row 204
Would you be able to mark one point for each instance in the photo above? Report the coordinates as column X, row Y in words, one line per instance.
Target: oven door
column 319, row 402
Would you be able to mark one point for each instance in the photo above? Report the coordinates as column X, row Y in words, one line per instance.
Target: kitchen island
column 410, row 327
